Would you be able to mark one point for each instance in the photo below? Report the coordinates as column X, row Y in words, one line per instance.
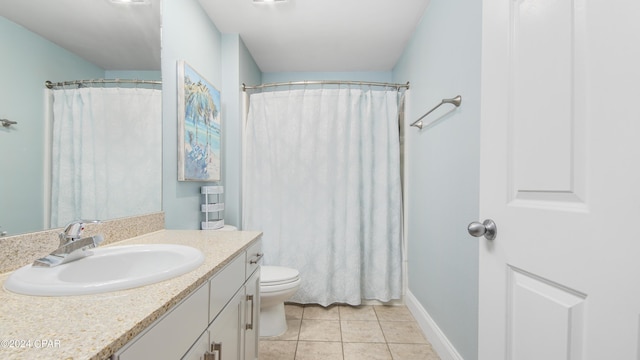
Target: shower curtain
column 322, row 181
column 106, row 153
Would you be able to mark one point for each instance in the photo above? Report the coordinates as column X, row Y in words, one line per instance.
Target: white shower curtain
column 106, row 153
column 322, row 181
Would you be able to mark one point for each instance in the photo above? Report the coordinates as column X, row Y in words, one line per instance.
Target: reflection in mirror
column 69, row 40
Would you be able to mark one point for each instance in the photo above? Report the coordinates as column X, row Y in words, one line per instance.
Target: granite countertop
column 95, row 326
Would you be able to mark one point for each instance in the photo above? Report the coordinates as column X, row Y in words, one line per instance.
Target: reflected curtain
column 106, row 153
column 322, row 181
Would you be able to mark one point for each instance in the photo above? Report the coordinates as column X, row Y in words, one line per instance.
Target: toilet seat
column 272, row 277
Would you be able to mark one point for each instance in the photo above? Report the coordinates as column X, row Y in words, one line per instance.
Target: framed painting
column 199, row 130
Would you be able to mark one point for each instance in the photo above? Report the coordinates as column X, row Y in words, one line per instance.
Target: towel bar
column 455, row 101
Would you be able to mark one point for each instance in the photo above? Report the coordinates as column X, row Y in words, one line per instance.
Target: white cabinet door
column 252, row 316
column 225, row 331
column 199, row 349
column 172, row 335
column 560, row 178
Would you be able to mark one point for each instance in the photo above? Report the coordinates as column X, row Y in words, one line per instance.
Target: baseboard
column 431, row 331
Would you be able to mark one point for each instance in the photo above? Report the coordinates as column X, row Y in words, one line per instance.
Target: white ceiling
column 112, row 36
column 292, row 36
column 320, row 35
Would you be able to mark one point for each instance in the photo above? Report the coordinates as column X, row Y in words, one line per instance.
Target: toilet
column 277, row 284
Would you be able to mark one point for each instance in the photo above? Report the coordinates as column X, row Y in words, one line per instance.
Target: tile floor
column 342, row 332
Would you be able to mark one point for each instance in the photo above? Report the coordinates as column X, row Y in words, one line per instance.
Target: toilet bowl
column 277, row 284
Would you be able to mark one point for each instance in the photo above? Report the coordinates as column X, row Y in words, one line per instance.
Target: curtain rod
column 51, row 85
column 325, row 82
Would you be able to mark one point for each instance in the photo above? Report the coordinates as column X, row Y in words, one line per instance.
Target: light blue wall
column 239, row 67
column 134, row 74
column 249, row 71
column 442, row 60
column 382, row 76
column 28, row 60
column 231, row 121
column 187, row 34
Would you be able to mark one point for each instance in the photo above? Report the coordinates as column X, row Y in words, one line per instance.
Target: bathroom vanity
column 212, row 310
column 220, row 317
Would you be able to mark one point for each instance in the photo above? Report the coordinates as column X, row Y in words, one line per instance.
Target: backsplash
column 19, row 250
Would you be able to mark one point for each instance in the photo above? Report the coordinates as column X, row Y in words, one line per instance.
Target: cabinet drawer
column 173, row 334
column 225, row 284
column 254, row 257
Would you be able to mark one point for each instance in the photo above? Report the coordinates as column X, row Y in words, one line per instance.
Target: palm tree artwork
column 201, row 128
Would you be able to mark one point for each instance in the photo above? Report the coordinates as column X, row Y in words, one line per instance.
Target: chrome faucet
column 72, row 245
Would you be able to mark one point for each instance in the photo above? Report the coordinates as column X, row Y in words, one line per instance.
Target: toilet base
column 273, row 321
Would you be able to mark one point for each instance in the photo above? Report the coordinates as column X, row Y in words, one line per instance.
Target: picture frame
column 199, row 126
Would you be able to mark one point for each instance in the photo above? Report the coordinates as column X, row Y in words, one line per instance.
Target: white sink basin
column 109, row 269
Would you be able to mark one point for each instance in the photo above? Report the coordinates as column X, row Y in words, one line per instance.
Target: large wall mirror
column 70, row 40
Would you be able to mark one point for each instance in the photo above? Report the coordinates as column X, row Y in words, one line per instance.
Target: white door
column 560, row 176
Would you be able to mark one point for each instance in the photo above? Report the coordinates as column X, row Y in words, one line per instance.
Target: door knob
column 488, row 228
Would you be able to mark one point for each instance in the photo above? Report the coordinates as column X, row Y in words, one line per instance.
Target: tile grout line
column 340, row 326
column 345, row 316
column 295, row 353
column 386, row 342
